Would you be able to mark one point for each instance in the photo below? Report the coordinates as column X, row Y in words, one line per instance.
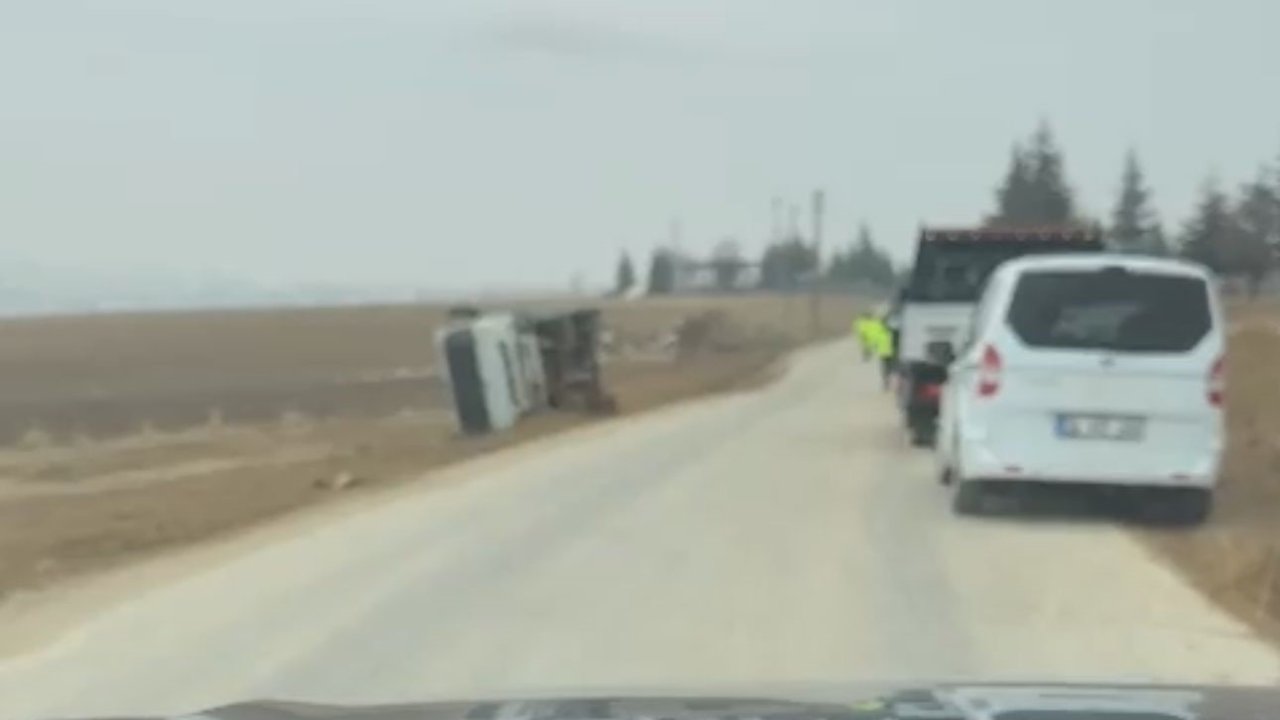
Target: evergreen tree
column 662, row 272
column 1035, row 189
column 1159, row 243
column 1134, row 227
column 1012, row 199
column 1207, row 234
column 1051, row 198
column 786, row 263
column 626, row 275
column 1257, row 222
column 862, row 262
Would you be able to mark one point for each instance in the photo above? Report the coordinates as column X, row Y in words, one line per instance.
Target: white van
column 1094, row 369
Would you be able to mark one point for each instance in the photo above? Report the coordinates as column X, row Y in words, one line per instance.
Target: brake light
column 928, row 391
column 1217, row 382
column 989, row 368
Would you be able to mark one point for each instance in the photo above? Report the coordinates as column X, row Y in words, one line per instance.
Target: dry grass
column 1235, row 559
column 113, row 375
column 72, row 507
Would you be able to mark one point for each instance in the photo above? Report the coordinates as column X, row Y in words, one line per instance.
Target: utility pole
column 815, row 291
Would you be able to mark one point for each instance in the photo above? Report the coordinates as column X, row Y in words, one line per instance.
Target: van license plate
column 1100, row 427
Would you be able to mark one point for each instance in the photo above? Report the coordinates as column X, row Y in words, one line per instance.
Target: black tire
column 1176, row 507
column 922, row 435
column 969, row 498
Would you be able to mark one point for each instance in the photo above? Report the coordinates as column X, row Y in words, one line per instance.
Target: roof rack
column 1029, row 234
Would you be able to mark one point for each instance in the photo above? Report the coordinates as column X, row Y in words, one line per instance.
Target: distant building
column 709, row 276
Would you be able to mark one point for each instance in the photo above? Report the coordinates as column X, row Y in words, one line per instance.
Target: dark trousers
column 886, row 371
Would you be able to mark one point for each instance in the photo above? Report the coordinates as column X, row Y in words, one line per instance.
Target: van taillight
column 989, row 368
column 1217, row 382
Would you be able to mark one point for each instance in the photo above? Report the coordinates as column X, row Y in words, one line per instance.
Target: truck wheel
column 969, row 498
column 922, row 434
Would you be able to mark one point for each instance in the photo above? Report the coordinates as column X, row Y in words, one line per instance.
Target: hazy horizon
column 481, row 143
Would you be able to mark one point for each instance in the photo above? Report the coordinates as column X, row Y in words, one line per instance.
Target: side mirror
column 940, row 352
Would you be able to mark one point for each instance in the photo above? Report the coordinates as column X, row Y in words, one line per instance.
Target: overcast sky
column 477, row 142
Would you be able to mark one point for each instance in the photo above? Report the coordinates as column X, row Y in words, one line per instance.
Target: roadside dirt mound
column 1235, row 559
column 714, row 331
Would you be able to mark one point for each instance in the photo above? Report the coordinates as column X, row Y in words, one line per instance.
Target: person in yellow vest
column 880, row 341
column 862, row 331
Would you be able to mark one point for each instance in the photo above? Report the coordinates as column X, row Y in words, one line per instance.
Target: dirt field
column 114, row 375
column 132, row 434
column 1235, row 559
column 105, row 376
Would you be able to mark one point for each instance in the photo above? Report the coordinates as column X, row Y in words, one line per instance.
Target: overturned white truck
column 493, row 368
column 500, row 366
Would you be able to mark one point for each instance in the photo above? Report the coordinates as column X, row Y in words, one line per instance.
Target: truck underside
column 919, row 391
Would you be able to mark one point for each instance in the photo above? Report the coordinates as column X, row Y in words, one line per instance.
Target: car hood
column 935, row 702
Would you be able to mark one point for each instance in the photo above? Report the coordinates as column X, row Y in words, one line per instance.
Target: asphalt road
column 776, row 537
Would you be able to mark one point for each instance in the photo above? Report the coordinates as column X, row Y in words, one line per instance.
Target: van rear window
column 1112, row 309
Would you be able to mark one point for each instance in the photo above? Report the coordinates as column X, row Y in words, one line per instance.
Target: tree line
column 1237, row 235
column 788, row 263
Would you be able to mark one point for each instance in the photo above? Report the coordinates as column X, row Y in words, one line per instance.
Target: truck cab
column 935, row 316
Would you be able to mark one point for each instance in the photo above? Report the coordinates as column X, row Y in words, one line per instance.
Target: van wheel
column 1180, row 507
column 969, row 498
